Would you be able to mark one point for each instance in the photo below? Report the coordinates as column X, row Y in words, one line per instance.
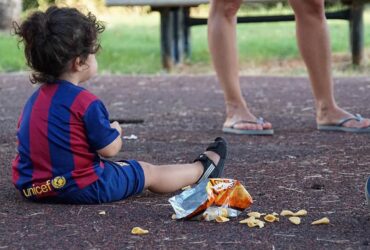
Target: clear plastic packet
column 210, row 199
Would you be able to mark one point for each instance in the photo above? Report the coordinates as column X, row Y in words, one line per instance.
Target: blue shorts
column 118, row 181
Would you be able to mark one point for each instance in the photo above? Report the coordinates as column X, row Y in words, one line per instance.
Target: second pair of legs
column 314, row 45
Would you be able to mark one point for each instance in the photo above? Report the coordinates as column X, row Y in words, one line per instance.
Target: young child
column 64, row 130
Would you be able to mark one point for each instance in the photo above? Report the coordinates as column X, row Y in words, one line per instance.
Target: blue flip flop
column 233, row 130
column 367, row 191
column 339, row 126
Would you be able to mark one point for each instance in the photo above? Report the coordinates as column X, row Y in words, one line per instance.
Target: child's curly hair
column 52, row 39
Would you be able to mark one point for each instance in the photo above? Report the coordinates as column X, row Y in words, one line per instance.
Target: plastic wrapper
column 210, row 199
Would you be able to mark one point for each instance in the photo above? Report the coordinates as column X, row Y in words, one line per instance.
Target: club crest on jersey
column 58, row 182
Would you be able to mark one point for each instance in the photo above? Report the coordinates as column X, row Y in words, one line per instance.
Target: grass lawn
column 131, row 46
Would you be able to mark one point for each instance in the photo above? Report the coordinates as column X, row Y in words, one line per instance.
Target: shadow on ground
column 297, row 168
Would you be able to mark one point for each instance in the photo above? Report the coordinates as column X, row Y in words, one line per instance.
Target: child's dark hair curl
column 52, row 39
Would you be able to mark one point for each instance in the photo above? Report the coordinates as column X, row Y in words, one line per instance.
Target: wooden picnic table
column 176, row 22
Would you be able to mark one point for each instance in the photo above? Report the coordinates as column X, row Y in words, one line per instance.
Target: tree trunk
column 10, row 10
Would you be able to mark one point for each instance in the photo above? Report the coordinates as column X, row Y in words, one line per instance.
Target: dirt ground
column 297, row 168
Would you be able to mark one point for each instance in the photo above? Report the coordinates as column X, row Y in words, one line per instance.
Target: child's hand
column 116, row 126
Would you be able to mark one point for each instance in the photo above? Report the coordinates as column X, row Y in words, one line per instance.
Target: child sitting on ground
column 64, row 130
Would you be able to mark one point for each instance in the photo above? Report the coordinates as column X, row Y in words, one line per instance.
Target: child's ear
column 77, row 64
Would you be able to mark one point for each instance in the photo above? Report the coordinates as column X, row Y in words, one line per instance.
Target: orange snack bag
column 199, row 202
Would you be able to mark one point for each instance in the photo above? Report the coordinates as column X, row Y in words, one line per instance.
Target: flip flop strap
column 356, row 117
column 218, row 147
column 259, row 121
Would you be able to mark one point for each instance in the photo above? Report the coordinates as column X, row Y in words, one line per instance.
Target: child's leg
column 169, row 178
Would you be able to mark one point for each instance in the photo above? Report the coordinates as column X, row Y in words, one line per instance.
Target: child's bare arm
column 113, row 148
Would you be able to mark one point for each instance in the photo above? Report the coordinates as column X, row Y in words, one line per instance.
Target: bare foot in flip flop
column 242, row 121
column 341, row 120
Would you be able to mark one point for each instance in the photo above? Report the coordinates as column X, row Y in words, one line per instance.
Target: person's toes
column 249, row 126
column 365, row 123
column 267, row 125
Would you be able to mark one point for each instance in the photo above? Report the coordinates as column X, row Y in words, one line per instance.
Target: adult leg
column 223, row 49
column 314, row 44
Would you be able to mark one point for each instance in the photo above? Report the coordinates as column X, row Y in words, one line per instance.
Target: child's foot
column 213, row 159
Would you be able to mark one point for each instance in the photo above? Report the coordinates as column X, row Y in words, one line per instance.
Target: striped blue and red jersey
column 59, row 132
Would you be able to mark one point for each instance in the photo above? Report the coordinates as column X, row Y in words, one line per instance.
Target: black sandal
column 211, row 170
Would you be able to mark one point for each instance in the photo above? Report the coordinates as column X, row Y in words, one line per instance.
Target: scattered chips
column 212, row 212
column 271, row 218
column 255, row 214
column 286, row 213
column 301, row 212
column 221, row 219
column 253, row 222
column 139, row 231
column 323, row 221
column 295, row 220
column 245, row 221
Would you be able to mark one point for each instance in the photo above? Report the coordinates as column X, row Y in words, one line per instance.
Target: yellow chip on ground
column 323, row 221
column 301, row 212
column 253, row 222
column 173, row 216
column 245, row 221
column 139, row 231
column 221, row 219
column 260, row 223
column 270, row 218
column 286, row 213
column 224, row 212
column 295, row 220
column 255, row 214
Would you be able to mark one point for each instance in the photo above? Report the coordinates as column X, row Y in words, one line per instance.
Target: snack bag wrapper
column 211, row 198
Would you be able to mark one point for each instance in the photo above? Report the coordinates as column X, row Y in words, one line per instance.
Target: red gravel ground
column 297, row 168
